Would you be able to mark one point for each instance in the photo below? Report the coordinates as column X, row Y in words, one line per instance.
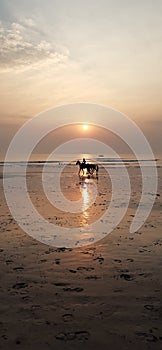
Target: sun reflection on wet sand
column 86, row 200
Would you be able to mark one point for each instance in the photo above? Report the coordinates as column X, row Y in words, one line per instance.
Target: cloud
column 22, row 47
column 29, row 22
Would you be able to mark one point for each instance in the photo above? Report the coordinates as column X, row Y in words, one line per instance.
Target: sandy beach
column 106, row 294
column 80, row 252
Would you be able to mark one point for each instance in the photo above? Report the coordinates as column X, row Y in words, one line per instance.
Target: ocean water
column 101, row 159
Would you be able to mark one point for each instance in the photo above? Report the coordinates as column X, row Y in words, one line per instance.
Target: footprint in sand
column 72, row 271
column 20, row 285
column 158, row 242
column 67, row 317
column 151, row 338
column 80, row 335
column 18, row 268
column 63, row 249
column 80, row 268
column 143, row 274
column 127, row 277
column 147, row 336
column 130, row 260
column 77, row 289
column 149, row 307
column 92, row 277
column 57, row 261
column 100, row 259
column 4, row 336
column 89, row 251
column 61, row 284
column 8, row 262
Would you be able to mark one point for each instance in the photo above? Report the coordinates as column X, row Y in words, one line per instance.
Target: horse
column 90, row 167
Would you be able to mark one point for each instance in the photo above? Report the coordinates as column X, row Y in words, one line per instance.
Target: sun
column 85, row 126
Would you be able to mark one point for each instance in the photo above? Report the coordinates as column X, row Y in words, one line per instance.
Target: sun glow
column 85, row 126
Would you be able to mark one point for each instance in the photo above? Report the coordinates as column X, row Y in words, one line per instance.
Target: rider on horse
column 90, row 167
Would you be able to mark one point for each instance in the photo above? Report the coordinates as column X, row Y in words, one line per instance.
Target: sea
column 71, row 159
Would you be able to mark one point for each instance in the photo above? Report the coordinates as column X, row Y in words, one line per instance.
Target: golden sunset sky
column 56, row 52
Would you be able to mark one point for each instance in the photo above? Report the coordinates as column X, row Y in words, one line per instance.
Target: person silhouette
column 84, row 166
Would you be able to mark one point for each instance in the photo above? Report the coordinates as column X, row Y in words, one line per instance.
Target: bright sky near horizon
column 56, row 52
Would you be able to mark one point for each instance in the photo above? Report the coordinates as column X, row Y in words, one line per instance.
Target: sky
column 56, row 52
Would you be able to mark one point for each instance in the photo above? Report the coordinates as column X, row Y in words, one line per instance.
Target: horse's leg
column 88, row 169
column 97, row 171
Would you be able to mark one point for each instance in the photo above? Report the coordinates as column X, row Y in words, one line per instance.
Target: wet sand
column 107, row 294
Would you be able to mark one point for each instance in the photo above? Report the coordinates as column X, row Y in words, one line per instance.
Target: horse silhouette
column 90, row 167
